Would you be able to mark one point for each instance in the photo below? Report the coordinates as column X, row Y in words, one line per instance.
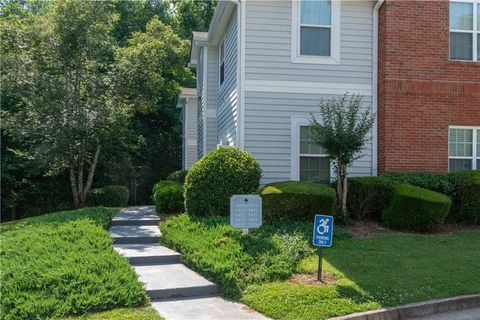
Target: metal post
column 319, row 274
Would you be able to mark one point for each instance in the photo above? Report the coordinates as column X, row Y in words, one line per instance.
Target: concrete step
column 143, row 254
column 204, row 308
column 137, row 216
column 174, row 280
column 135, row 234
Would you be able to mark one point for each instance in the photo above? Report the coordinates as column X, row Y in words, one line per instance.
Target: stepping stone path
column 176, row 291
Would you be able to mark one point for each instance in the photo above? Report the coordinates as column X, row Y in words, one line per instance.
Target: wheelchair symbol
column 323, row 227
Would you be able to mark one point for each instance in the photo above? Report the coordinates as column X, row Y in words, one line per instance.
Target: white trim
column 335, row 36
column 296, row 123
column 328, row 88
column 474, row 32
column 242, row 87
column 475, row 152
column 204, row 99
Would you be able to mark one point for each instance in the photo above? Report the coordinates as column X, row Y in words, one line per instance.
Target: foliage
column 466, row 197
column 375, row 272
column 222, row 173
column 342, row 132
column 296, row 200
column 431, row 181
column 108, row 196
column 168, row 197
column 368, row 197
column 178, row 176
column 146, row 313
column 63, row 264
column 416, row 208
column 222, row 254
column 191, row 15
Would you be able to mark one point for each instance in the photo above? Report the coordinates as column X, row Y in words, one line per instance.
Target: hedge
column 431, row 181
column 178, row 176
column 367, row 197
column 296, row 200
column 108, row 196
column 466, row 197
column 415, row 208
column 168, row 197
column 212, row 180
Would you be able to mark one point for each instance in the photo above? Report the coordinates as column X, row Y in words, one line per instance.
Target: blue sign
column 323, row 231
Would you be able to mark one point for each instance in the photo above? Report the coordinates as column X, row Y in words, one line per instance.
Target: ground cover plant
column 374, row 272
column 122, row 314
column 63, row 264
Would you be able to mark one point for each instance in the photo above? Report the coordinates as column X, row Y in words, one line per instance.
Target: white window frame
column 474, row 32
column 220, row 62
column 296, row 123
column 334, row 58
column 475, row 152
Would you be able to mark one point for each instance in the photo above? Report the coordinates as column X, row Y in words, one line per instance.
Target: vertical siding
column 227, row 94
column 269, row 110
column 212, row 93
column 201, row 103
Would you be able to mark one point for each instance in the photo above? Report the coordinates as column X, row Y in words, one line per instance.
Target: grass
column 123, row 314
column 63, row 264
column 376, row 272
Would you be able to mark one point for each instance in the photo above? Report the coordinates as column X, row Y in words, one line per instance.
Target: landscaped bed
column 362, row 273
column 63, row 264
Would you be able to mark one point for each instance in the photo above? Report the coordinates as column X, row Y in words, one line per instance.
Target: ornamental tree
column 341, row 130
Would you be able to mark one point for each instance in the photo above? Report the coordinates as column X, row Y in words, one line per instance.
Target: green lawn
column 63, row 264
column 370, row 272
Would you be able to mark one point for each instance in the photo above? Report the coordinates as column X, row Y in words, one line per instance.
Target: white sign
column 245, row 211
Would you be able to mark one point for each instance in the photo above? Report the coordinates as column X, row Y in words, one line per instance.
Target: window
column 221, row 59
column 309, row 161
column 464, row 148
column 465, row 30
column 315, row 31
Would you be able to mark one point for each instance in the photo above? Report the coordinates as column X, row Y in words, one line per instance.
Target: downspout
column 375, row 87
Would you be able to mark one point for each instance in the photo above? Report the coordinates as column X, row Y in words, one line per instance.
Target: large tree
column 59, row 68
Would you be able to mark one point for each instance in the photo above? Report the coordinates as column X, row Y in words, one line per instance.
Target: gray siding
column 269, row 110
column 201, row 103
column 227, row 94
column 212, row 90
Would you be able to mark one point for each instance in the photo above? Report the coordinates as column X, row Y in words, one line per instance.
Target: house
column 264, row 66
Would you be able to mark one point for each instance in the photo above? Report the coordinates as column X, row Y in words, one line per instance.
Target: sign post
column 322, row 237
column 245, row 212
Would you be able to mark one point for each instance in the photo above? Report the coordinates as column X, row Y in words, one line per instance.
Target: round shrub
column 222, row 173
column 367, row 197
column 178, row 176
column 168, row 197
column 296, row 200
column 108, row 196
column 415, row 208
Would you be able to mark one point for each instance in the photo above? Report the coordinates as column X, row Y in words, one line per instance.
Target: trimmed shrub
column 178, row 176
column 222, row 173
column 368, row 196
column 108, row 196
column 466, row 197
column 431, row 181
column 168, row 197
column 415, row 208
column 296, row 200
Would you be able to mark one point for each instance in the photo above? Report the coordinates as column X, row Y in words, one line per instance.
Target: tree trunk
column 342, row 190
column 13, row 213
column 344, row 194
column 74, row 186
column 91, row 172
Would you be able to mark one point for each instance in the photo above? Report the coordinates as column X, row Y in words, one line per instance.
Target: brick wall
column 420, row 91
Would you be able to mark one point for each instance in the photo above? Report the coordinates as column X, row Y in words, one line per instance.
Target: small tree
column 342, row 132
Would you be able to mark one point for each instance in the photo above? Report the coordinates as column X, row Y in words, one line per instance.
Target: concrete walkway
column 176, row 291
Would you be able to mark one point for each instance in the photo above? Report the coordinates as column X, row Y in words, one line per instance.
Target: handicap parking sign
column 323, row 231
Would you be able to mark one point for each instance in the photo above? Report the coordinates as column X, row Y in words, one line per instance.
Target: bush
column 368, row 196
column 416, row 208
column 296, row 200
column 168, row 197
column 222, row 173
column 108, row 196
column 178, row 176
column 466, row 196
column 431, row 181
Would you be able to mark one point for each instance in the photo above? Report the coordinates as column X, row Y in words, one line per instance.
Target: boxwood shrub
column 431, row 181
column 296, row 200
column 178, row 176
column 415, row 208
column 108, row 196
column 367, row 197
column 466, row 196
column 168, row 197
column 212, row 180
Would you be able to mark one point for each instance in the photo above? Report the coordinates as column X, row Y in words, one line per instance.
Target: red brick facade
column 420, row 91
